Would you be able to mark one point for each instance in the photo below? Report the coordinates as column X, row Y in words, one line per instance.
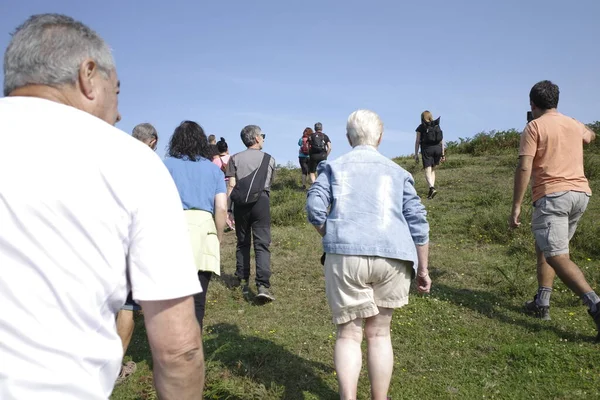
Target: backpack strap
column 260, row 177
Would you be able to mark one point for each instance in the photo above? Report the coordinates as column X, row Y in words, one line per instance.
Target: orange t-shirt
column 555, row 142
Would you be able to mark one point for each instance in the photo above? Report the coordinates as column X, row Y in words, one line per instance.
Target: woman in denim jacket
column 375, row 236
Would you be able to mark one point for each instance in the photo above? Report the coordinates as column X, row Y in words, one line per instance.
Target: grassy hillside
column 468, row 339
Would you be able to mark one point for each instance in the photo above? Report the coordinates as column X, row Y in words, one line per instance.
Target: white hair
column 364, row 127
column 48, row 49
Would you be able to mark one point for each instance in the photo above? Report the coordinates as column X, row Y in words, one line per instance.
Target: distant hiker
column 146, row 134
column 375, row 242
column 222, row 157
column 203, row 197
column 251, row 174
column 304, row 154
column 221, row 160
column 212, row 145
column 551, row 154
column 320, row 147
column 87, row 215
column 431, row 141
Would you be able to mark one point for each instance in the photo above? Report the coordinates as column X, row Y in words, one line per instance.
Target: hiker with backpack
column 320, row 147
column 430, row 139
column 304, row 154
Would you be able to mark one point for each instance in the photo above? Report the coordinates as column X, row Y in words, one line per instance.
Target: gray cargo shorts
column 555, row 218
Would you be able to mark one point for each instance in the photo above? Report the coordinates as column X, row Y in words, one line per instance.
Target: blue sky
column 286, row 65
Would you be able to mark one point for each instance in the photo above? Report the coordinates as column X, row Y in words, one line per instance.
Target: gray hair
column 318, row 127
column 48, row 49
column 364, row 127
column 144, row 132
column 249, row 134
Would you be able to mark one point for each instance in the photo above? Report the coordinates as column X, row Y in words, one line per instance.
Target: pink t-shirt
column 221, row 162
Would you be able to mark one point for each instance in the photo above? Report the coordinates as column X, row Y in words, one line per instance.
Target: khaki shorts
column 555, row 219
column 357, row 285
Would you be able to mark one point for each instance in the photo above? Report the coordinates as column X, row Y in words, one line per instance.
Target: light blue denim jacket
column 369, row 207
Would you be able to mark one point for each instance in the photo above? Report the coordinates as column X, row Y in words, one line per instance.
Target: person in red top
column 551, row 153
column 304, row 154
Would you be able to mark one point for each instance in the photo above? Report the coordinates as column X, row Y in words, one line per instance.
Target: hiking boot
column 596, row 317
column 541, row 312
column 264, row 294
column 245, row 288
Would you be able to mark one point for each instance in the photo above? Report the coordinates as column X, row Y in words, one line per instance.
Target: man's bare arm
column 588, row 135
column 176, row 343
column 522, row 177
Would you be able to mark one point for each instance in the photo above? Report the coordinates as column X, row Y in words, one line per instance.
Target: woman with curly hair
column 202, row 190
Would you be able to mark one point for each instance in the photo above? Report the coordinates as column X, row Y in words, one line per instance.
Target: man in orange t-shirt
column 551, row 153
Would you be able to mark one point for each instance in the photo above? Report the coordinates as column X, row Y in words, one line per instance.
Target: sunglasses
column 263, row 135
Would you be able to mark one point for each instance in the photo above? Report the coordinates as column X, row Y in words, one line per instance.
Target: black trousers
column 200, row 298
column 253, row 222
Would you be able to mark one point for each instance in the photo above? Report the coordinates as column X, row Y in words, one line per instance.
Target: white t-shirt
column 86, row 213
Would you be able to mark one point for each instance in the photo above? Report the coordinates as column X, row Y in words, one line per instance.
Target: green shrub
column 287, row 207
column 493, row 142
column 591, row 165
column 594, row 147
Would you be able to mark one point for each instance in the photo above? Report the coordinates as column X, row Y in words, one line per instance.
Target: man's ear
column 88, row 70
column 153, row 144
column 349, row 141
column 380, row 138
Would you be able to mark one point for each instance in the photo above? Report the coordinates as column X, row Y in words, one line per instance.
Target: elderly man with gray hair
column 375, row 236
column 250, row 174
column 80, row 229
column 147, row 134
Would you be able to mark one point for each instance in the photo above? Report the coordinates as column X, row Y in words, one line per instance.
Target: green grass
column 468, row 339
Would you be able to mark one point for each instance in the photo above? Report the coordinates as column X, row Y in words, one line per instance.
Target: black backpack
column 317, row 143
column 433, row 133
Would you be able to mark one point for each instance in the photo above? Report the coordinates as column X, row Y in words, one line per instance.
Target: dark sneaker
column 541, row 312
column 432, row 193
column 596, row 317
column 264, row 294
column 245, row 288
